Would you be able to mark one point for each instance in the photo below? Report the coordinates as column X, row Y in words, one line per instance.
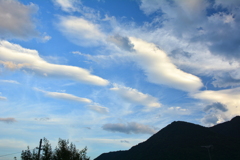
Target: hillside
column 230, row 128
column 186, row 141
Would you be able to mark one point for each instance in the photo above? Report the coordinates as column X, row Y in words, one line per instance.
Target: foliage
column 64, row 151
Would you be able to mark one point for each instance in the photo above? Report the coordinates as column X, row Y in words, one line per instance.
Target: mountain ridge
column 185, row 141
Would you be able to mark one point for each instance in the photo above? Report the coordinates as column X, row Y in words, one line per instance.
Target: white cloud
column 67, row 96
column 193, row 36
column 159, row 68
column 3, row 98
column 199, row 59
column 29, row 59
column 78, row 52
column 178, row 111
column 151, row 6
column 131, row 127
column 80, row 31
column 16, row 21
column 67, row 5
column 64, row 96
column 45, row 38
column 229, row 98
column 98, row 109
column 9, row 81
column 134, row 96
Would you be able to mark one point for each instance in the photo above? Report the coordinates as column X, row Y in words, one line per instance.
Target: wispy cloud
column 134, row 96
column 16, row 55
column 64, row 96
column 45, row 38
column 98, row 109
column 128, row 128
column 67, row 5
column 10, row 81
column 178, row 111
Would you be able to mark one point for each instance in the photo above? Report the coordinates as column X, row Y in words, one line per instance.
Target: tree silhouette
column 46, row 150
column 64, row 151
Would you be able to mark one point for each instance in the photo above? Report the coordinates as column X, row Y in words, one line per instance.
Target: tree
column 46, row 150
column 68, row 151
column 64, row 151
column 28, row 155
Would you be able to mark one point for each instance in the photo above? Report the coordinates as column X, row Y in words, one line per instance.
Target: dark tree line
column 64, row 151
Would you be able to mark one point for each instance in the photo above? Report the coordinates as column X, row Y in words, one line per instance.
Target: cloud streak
column 8, row 120
column 98, row 109
column 64, row 96
column 15, row 56
column 134, row 96
column 9, row 81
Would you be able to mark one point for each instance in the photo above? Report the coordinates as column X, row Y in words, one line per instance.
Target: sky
column 108, row 74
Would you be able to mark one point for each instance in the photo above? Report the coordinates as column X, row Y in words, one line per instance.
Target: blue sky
column 107, row 74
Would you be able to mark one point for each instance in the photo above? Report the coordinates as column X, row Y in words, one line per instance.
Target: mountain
column 230, row 128
column 186, row 141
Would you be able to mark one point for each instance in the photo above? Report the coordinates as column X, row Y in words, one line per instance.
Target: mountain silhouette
column 230, row 128
column 186, row 141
